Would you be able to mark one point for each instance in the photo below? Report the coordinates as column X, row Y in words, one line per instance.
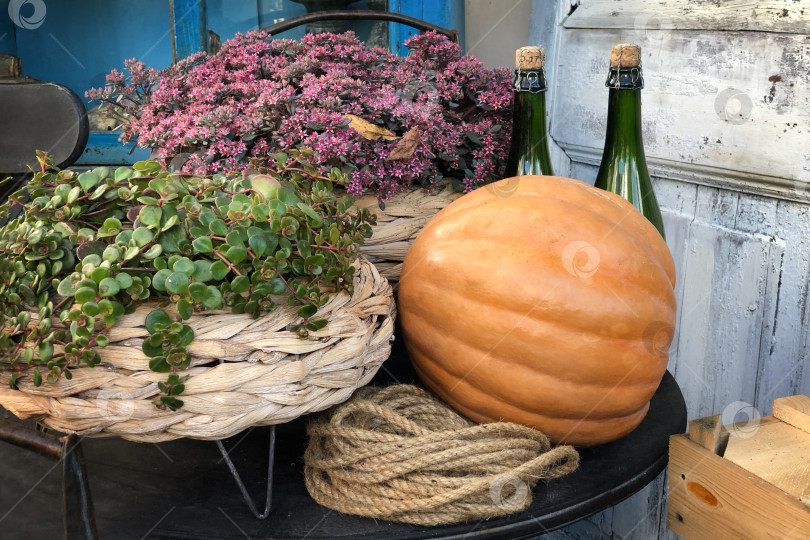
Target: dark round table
column 182, row 489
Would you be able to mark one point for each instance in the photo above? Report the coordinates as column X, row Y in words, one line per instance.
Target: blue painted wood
column 190, row 33
column 78, row 43
column 103, row 148
column 399, row 33
column 456, row 21
column 446, row 13
column 8, row 43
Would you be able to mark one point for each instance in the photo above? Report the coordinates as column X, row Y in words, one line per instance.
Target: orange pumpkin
column 542, row 301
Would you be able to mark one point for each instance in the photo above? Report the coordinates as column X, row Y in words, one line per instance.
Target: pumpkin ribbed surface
column 542, row 301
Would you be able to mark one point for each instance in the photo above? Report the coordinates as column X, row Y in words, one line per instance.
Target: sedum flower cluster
column 257, row 95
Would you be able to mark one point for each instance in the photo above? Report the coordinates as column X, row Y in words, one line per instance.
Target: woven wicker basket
column 245, row 372
column 398, row 225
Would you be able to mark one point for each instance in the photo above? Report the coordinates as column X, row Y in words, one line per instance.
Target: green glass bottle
column 528, row 152
column 624, row 167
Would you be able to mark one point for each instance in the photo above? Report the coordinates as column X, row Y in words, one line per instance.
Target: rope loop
column 400, row 454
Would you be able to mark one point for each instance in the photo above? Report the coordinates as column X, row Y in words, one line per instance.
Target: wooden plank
column 398, row 33
column 680, row 198
column 761, row 185
column 445, row 13
column 772, row 319
column 706, row 98
column 189, row 34
column 583, row 172
column 756, row 215
column 718, row 207
column 664, row 15
column 544, row 32
column 712, row 498
column 784, row 348
column 640, row 516
column 726, row 272
column 709, row 433
column 677, row 229
column 678, row 201
column 775, row 451
column 793, row 410
column 585, row 529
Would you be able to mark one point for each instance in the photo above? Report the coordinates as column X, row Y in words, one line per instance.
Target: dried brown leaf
column 368, row 130
column 405, row 147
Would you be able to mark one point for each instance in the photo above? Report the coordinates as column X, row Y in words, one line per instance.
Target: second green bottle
column 528, row 153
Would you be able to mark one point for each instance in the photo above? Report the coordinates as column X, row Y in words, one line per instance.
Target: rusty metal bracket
column 44, row 444
column 10, row 66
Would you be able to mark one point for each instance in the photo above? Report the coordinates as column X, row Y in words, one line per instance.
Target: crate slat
column 745, row 480
column 795, row 410
column 710, row 433
column 776, row 452
column 713, row 498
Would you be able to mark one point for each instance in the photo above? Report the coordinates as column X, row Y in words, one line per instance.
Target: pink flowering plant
column 386, row 122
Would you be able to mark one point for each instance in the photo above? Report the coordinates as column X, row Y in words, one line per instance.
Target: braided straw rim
column 266, row 375
column 404, row 216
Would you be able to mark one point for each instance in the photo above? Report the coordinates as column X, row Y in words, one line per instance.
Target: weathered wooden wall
column 727, row 135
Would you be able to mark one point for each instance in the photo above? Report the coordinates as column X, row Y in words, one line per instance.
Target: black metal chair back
column 359, row 15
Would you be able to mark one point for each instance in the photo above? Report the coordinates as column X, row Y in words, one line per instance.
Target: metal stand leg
column 79, row 519
column 242, row 488
column 80, row 522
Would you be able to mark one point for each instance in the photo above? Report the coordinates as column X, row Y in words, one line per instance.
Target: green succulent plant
column 90, row 247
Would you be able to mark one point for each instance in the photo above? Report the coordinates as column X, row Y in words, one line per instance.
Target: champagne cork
column 631, row 55
column 532, row 58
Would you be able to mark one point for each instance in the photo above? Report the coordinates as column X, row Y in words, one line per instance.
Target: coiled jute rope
column 400, row 454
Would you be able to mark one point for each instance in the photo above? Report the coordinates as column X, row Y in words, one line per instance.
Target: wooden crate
column 743, row 480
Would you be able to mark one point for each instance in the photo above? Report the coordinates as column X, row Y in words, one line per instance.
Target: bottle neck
column 528, row 151
column 624, row 166
column 624, row 120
